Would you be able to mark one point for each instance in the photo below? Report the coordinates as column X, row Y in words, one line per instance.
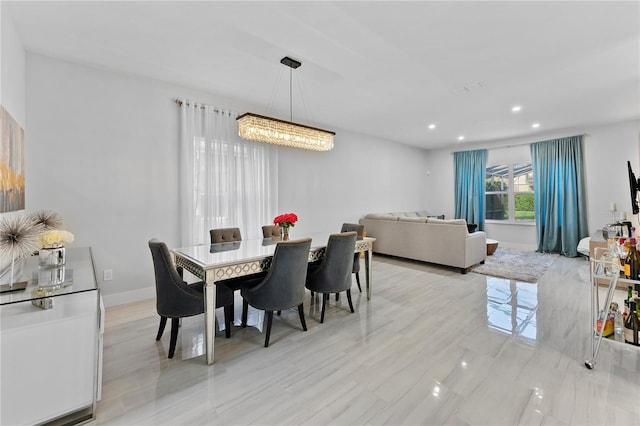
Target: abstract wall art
column 11, row 163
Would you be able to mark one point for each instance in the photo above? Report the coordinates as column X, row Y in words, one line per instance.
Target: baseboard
column 129, row 296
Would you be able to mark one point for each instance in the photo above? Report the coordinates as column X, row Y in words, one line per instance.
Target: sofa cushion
column 385, row 216
column 396, row 215
column 413, row 219
column 448, row 221
column 405, row 214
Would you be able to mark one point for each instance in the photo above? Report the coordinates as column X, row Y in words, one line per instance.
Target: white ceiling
column 380, row 68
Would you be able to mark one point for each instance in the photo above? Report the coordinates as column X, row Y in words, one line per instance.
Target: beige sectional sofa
column 420, row 236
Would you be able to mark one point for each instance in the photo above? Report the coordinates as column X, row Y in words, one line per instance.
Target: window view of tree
column 523, row 192
column 509, row 192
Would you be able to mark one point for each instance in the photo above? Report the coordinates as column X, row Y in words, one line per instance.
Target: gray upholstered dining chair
column 271, row 231
column 220, row 237
column 225, row 235
column 282, row 287
column 333, row 273
column 348, row 227
column 176, row 299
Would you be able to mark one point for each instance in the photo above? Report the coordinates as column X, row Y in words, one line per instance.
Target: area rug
column 527, row 266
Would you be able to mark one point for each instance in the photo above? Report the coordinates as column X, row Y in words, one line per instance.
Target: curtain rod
column 517, row 144
column 203, row 106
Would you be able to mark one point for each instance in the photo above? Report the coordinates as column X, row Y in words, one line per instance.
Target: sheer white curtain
column 225, row 181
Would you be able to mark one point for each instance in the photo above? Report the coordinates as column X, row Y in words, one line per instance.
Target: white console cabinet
column 50, row 344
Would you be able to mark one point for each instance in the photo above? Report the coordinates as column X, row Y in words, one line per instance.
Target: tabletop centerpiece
column 52, row 252
column 285, row 221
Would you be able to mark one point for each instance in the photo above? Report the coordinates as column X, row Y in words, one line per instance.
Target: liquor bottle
column 618, row 327
column 631, row 325
column 625, row 313
column 622, row 253
column 629, row 298
column 633, row 261
column 627, row 272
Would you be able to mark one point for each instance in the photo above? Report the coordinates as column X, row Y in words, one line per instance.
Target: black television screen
column 634, row 185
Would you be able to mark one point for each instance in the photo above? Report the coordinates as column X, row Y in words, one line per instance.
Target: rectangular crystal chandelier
column 259, row 128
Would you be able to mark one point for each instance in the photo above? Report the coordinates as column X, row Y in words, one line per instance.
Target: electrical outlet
column 108, row 274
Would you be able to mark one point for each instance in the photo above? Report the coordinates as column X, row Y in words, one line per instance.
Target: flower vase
column 51, row 276
column 52, row 256
column 285, row 233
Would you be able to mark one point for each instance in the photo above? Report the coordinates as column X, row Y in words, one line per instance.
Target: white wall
column 12, row 69
column 102, row 151
column 606, row 151
column 360, row 175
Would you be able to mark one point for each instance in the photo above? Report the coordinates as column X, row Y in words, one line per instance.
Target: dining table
column 212, row 263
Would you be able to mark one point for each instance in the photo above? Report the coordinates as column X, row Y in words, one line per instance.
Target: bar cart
column 605, row 271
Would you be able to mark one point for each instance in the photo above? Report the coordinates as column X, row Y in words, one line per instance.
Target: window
column 509, row 193
column 225, row 180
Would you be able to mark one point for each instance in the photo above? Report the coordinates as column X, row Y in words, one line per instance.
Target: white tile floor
column 433, row 346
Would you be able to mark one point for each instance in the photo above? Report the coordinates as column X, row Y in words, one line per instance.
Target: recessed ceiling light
column 535, row 125
column 460, row 138
column 516, row 108
column 432, row 126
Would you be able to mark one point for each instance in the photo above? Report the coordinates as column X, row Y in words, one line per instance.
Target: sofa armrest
column 480, row 235
column 476, row 248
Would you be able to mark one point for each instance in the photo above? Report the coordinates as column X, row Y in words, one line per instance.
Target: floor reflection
column 511, row 308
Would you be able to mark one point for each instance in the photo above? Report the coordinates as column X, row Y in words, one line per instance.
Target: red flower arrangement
column 286, row 220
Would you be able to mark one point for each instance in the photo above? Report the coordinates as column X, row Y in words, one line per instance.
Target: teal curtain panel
column 560, row 204
column 470, row 168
